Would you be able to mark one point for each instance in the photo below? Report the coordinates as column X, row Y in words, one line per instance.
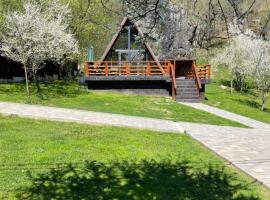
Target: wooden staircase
column 187, row 91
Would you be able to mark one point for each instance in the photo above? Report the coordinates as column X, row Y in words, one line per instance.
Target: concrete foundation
column 154, row 87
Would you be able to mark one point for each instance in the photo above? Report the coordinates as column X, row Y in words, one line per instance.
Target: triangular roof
column 116, row 36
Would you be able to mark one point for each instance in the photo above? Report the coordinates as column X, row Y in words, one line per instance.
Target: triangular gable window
column 128, row 45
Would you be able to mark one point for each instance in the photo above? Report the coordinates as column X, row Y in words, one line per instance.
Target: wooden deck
column 150, row 68
column 147, row 70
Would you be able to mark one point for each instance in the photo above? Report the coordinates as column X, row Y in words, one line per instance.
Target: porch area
column 183, row 79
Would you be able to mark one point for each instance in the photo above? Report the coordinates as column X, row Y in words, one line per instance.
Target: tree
column 174, row 33
column 237, row 57
column 248, row 56
column 206, row 21
column 261, row 59
column 37, row 34
column 93, row 24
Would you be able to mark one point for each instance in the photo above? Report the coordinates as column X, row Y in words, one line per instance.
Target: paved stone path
column 247, row 149
column 228, row 115
column 87, row 117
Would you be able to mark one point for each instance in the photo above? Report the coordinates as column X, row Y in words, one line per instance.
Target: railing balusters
column 148, row 68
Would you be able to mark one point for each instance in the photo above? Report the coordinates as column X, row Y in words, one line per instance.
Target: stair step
column 178, row 79
column 185, row 82
column 188, row 96
column 186, row 85
column 186, row 88
column 187, row 93
column 189, row 100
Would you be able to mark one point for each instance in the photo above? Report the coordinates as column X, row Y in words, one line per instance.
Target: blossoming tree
column 37, row 34
column 248, row 56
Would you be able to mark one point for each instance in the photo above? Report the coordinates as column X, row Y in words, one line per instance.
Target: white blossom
column 237, row 57
column 247, row 56
column 38, row 34
column 260, row 56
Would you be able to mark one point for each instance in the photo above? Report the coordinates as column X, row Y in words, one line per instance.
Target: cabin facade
column 129, row 65
column 11, row 71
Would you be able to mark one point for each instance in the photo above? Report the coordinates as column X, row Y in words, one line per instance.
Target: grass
column 122, row 163
column 69, row 95
column 246, row 103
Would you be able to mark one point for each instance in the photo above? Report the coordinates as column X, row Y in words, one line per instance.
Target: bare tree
column 38, row 34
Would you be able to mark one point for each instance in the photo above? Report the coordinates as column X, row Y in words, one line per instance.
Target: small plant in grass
column 36, row 35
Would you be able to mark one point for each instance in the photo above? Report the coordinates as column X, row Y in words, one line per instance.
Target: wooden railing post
column 86, row 69
column 168, row 66
column 209, row 72
column 148, row 71
column 128, row 70
column 106, row 69
column 174, row 86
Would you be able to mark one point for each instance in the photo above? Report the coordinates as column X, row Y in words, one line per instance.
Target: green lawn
column 65, row 95
column 244, row 103
column 98, row 162
column 240, row 103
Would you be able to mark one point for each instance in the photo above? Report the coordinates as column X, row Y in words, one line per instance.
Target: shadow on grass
column 135, row 180
column 253, row 104
column 48, row 89
column 59, row 89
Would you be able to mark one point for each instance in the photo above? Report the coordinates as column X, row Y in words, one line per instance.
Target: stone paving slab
column 88, row 117
column 228, row 115
column 247, row 149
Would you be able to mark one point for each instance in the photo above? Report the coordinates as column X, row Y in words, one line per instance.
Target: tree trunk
column 231, row 85
column 241, row 85
column 263, row 100
column 26, row 81
column 37, row 82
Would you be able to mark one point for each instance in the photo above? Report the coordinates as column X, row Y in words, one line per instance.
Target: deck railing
column 204, row 71
column 116, row 68
column 147, row 68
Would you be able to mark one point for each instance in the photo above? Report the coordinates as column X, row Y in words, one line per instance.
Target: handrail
column 127, row 62
column 150, row 68
column 174, row 86
column 197, row 78
column 204, row 71
column 112, row 68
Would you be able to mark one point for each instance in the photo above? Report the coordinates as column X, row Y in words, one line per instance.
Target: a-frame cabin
column 130, row 65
